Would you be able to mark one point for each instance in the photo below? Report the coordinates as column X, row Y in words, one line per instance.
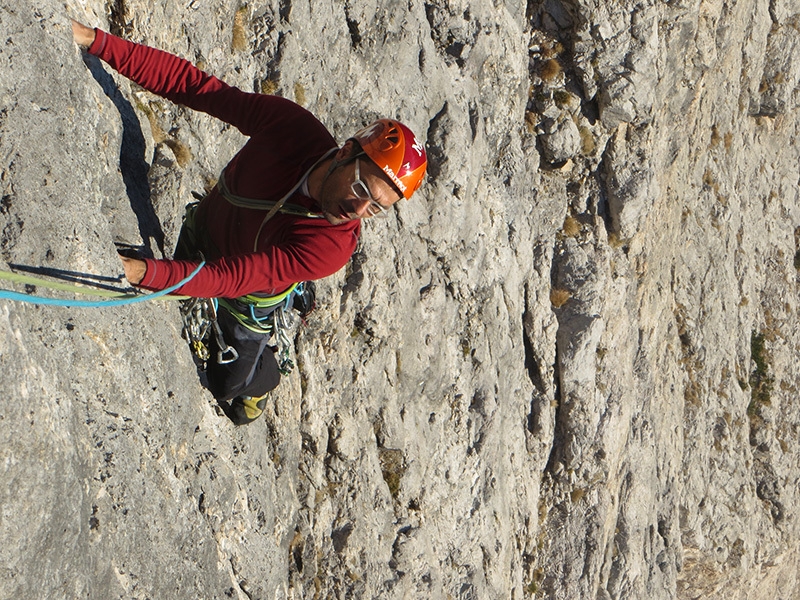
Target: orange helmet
column 395, row 149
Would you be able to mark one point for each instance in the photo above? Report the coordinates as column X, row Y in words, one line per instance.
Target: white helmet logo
column 369, row 131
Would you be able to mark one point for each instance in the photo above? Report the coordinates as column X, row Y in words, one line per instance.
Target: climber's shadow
column 132, row 164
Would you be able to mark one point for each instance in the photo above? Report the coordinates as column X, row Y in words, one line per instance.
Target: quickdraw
column 199, row 320
column 284, row 321
column 196, row 325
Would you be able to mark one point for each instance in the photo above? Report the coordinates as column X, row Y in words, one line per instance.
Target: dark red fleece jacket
column 285, row 141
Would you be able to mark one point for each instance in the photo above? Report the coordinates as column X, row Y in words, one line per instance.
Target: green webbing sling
column 268, row 205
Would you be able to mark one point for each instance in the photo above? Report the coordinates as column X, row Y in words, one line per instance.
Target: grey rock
column 561, row 140
column 630, row 184
column 574, row 382
column 781, row 79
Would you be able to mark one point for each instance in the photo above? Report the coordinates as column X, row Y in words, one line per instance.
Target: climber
column 256, row 243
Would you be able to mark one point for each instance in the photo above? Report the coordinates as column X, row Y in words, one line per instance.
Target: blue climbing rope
column 132, row 299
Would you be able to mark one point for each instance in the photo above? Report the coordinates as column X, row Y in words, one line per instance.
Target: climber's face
column 356, row 188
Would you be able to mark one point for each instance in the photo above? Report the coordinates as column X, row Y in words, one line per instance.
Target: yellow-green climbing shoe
column 246, row 409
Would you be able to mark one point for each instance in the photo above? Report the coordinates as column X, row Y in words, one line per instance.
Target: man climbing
column 285, row 210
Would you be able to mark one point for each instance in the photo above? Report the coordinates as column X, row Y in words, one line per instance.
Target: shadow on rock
column 132, row 164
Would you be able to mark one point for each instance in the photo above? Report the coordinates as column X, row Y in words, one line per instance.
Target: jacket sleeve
column 181, row 82
column 307, row 257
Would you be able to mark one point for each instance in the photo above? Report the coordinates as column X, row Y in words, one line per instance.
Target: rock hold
column 561, row 140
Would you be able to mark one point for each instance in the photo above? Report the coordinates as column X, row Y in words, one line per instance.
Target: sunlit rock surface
column 565, row 369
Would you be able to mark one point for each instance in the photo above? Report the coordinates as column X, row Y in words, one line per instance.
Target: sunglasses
column 362, row 192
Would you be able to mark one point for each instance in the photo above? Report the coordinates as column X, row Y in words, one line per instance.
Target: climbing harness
column 244, row 308
column 274, row 316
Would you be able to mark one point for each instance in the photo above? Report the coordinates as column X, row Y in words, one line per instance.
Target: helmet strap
column 340, row 163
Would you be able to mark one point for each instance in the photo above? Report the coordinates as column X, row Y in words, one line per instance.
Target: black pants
column 255, row 372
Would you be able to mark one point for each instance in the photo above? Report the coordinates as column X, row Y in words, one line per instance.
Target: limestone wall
column 565, row 369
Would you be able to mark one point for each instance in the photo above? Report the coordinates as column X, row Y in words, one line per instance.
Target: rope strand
column 122, row 300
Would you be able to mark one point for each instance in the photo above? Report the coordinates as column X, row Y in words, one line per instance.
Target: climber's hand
column 135, row 269
column 83, row 35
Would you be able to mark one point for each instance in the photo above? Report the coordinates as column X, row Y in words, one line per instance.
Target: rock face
column 567, row 369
